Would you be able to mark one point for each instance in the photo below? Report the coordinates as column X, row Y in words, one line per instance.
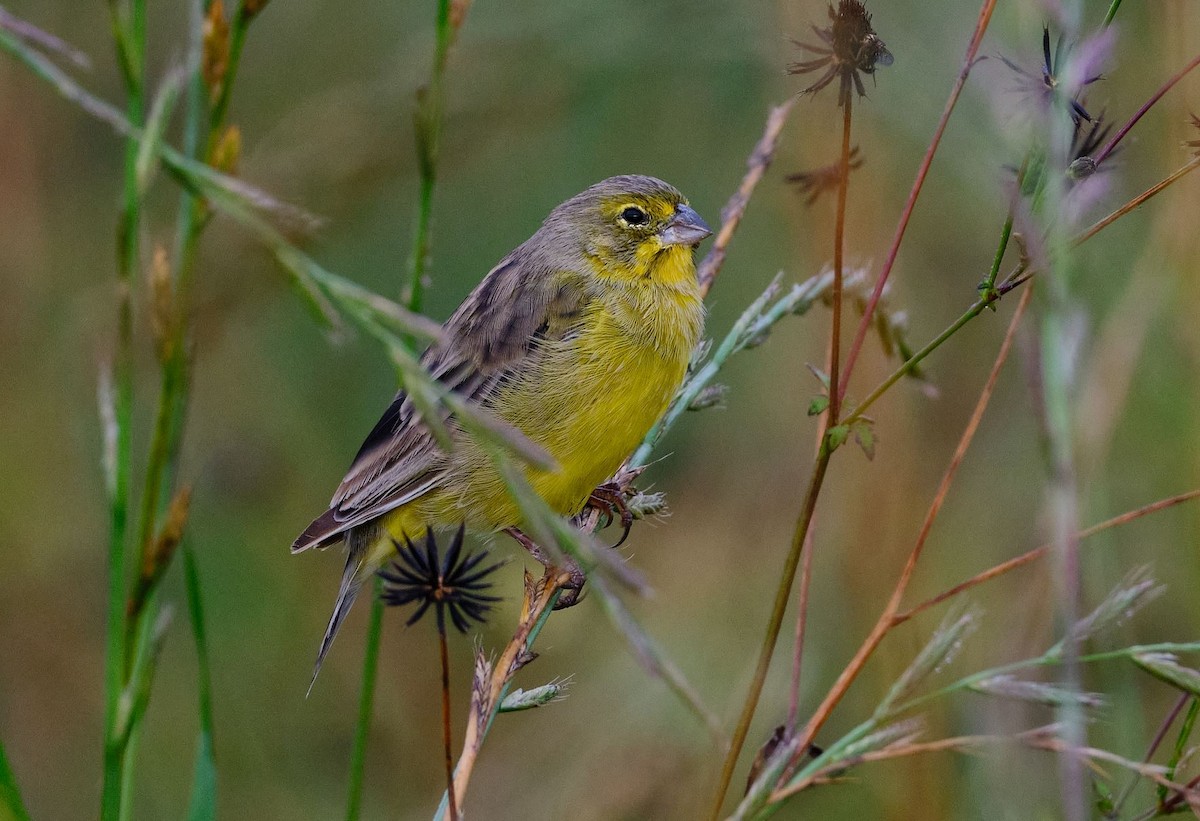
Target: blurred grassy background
column 542, row 102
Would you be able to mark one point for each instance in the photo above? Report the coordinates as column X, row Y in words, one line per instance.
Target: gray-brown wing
column 520, row 301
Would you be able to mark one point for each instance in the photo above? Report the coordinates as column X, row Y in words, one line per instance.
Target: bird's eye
column 634, row 216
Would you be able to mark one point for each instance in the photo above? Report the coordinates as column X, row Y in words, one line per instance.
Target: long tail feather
column 359, row 568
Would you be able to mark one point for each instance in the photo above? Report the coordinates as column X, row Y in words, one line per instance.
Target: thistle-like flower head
column 849, row 48
column 1049, row 84
column 452, row 584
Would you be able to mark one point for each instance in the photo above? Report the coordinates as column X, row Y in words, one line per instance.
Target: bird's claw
column 609, row 499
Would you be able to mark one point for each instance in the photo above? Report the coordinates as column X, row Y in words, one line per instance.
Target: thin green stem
column 130, row 36
column 1019, row 276
column 366, row 703
column 428, row 126
column 1112, row 12
column 975, row 310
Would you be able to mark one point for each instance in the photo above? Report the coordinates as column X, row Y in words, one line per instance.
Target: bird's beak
column 685, row 228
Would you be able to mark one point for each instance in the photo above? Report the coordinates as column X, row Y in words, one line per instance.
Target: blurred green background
column 542, row 100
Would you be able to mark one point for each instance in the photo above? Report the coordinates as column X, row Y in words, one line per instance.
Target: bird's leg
column 610, row 500
column 573, row 589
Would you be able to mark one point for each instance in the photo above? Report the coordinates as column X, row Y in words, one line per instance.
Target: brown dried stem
column 731, row 215
column 839, row 242
column 446, row 737
column 864, row 325
column 1040, row 552
column 886, row 619
column 487, row 694
column 1167, row 86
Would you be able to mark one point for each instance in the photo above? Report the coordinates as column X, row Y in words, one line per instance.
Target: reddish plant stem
column 446, row 740
column 1101, row 224
column 1163, row 728
column 1039, row 552
column 886, row 618
column 864, row 325
column 839, row 243
column 1158, row 95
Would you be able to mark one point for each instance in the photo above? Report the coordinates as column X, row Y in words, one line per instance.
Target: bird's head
column 631, row 227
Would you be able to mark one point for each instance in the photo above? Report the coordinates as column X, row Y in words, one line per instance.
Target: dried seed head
column 849, row 48
column 215, row 61
column 1134, row 592
column 941, row 649
column 452, row 584
column 227, row 151
column 818, row 181
column 644, row 504
column 537, row 697
column 252, row 8
column 162, row 306
column 712, row 396
column 1007, row 686
column 1048, row 85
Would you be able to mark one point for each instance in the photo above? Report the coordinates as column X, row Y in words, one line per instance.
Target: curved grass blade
column 12, row 808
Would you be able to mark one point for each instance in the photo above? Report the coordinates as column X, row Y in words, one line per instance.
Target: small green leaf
column 837, row 436
column 1104, row 798
column 818, row 405
column 864, row 435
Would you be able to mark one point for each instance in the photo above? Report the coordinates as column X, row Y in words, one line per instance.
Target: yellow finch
column 579, row 338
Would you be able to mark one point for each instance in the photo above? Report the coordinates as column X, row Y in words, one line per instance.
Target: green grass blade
column 203, row 803
column 12, row 808
column 366, row 703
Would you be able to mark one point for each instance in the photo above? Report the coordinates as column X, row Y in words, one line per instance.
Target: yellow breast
column 589, row 398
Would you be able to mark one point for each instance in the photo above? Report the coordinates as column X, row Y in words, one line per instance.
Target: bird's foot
column 572, row 590
column 611, row 500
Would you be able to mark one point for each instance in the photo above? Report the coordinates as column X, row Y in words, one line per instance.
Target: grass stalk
column 366, row 702
column 428, row 128
column 428, row 124
column 130, row 37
